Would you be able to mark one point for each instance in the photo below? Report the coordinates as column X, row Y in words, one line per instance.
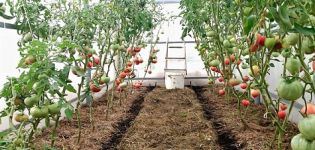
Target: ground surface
column 191, row 119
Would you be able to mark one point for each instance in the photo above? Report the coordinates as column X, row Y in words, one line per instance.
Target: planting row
column 233, row 36
column 80, row 38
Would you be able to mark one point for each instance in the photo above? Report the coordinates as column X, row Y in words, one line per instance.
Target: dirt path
column 170, row 119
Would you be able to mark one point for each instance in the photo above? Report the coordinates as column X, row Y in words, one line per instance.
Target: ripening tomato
column 232, row 58
column 221, row 92
column 122, row 75
column 117, row 81
column 309, row 109
column 281, row 114
column 140, row 60
column 234, row 82
column 245, row 102
column 260, row 40
column 154, row 61
column 246, row 78
column 243, row 85
column 255, row 93
column 283, row 106
column 127, row 70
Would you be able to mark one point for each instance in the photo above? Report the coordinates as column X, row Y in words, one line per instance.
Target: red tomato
column 281, row 114
column 253, row 47
column 220, row 79
column 238, row 62
column 137, row 49
column 140, row 60
column 260, row 40
column 127, row 70
column 243, row 85
column 215, row 69
column 227, row 61
column 245, row 102
column 255, row 93
column 221, row 92
column 94, row 88
column 149, row 71
column 90, row 65
column 129, row 63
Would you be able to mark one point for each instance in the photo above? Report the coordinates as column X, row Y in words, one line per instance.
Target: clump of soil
column 170, row 119
column 104, row 129
column 260, row 132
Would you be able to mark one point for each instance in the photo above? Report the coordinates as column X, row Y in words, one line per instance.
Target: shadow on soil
column 225, row 139
column 123, row 125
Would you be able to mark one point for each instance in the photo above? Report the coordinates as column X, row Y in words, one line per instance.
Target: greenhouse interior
column 157, row 74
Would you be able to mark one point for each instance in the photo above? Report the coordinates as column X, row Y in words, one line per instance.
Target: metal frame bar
column 7, row 25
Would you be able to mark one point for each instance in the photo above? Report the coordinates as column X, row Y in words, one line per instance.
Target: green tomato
column 286, row 53
column 270, row 43
column 54, row 108
column 290, row 89
column 27, row 37
column 291, row 39
column 275, row 54
column 37, row 112
column 210, row 33
column 293, row 66
column 307, row 128
column 298, row 142
column 215, row 63
column 307, row 46
column 105, row 79
column 115, row 47
column 227, row 44
column 244, row 66
column 245, row 52
column 30, row 101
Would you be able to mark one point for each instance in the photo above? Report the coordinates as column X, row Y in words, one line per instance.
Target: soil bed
column 170, row 119
column 231, row 134
column 107, row 133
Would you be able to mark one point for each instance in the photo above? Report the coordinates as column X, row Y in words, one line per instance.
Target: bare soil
column 181, row 119
column 170, row 119
column 110, row 129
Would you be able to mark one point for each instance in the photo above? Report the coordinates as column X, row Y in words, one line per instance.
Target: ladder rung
column 175, row 58
column 175, row 47
column 174, row 69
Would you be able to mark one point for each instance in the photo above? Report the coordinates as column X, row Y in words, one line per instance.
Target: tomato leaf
column 303, row 30
column 249, row 24
column 69, row 113
column 70, row 88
